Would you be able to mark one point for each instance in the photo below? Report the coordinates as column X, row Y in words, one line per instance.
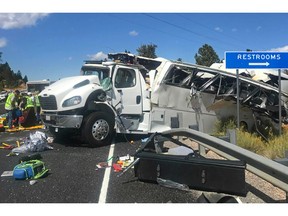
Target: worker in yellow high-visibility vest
column 29, row 101
column 11, row 105
column 29, row 112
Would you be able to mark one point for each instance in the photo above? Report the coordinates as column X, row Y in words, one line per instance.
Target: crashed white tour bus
column 137, row 95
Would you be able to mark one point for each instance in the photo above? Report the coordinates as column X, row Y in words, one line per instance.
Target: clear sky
column 54, row 44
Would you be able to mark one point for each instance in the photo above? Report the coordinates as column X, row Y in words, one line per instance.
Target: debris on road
column 6, row 146
column 117, row 167
column 7, row 174
column 32, row 182
column 102, row 165
column 16, row 129
column 36, row 142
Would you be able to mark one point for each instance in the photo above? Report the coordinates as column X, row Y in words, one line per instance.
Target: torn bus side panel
column 168, row 159
column 199, row 93
column 173, row 101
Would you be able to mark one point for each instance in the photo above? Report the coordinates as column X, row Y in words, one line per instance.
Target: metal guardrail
column 267, row 169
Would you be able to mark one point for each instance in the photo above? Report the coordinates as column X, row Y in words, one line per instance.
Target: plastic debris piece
column 102, row 165
column 117, row 167
column 171, row 184
column 180, row 150
column 32, row 182
column 50, row 139
column 120, row 162
column 12, row 154
column 127, row 163
column 144, row 140
column 7, row 173
column 127, row 157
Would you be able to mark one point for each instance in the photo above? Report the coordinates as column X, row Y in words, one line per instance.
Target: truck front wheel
column 98, row 129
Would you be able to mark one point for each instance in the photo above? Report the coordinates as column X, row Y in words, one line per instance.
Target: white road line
column 105, row 183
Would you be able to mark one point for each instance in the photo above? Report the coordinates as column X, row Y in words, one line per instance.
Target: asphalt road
column 74, row 178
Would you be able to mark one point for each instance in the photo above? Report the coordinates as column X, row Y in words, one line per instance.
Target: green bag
column 32, row 169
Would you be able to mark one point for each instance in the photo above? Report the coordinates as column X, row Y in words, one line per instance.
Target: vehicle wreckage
column 131, row 94
column 262, row 99
column 216, row 88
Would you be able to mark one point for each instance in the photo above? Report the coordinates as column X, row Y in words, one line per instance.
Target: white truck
column 137, row 95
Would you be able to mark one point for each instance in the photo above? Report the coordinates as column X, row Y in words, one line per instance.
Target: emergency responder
column 29, row 101
column 29, row 111
column 11, row 106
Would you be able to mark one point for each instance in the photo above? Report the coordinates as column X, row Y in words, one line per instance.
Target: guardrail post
column 231, row 133
column 230, row 137
column 202, row 150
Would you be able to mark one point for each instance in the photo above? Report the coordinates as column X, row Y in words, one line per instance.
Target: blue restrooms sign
column 260, row 60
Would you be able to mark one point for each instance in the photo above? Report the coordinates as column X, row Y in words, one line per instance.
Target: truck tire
column 98, row 129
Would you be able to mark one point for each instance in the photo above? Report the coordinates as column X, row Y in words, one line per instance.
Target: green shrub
column 276, row 146
column 251, row 142
column 222, row 126
column 273, row 148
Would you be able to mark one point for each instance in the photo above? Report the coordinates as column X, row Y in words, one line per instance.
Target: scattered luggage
column 32, row 169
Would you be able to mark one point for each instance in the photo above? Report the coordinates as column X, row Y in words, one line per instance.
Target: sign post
column 237, row 95
column 257, row 60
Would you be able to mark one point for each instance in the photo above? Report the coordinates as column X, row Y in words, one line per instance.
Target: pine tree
column 148, row 51
column 206, row 56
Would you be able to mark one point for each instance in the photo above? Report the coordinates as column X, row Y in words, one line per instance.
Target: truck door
column 127, row 91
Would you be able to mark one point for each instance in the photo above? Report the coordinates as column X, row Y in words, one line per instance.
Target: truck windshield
column 102, row 73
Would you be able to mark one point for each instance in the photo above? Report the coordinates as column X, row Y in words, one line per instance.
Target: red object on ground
column 117, row 167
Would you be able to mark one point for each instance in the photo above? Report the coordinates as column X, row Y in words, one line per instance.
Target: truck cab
column 107, row 97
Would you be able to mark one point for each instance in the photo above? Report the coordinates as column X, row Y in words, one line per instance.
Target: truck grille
column 48, row 103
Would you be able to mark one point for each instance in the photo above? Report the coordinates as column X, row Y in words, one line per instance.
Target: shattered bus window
column 176, row 76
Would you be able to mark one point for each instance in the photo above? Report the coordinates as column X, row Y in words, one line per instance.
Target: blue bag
column 32, row 169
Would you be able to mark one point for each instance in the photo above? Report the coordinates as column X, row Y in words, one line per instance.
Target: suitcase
column 192, row 170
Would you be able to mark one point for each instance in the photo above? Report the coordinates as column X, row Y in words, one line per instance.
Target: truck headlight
column 72, row 101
